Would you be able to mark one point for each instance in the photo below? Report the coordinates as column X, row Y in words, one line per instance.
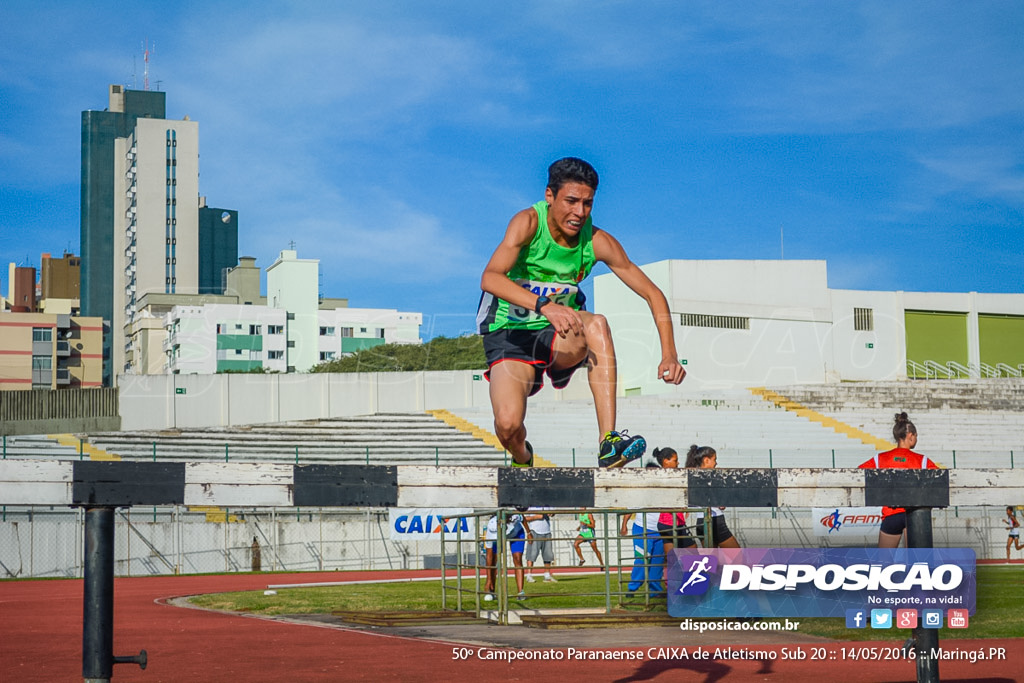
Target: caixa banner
column 424, row 524
column 823, row 582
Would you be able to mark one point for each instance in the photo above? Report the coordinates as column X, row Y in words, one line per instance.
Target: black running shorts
column 533, row 347
column 894, row 524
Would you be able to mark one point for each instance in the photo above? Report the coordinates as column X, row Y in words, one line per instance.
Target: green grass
column 999, row 614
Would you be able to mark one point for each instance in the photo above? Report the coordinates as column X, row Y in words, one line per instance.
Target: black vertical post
column 926, row 640
column 98, row 614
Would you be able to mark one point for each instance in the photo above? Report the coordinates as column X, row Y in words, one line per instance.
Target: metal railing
column 468, row 582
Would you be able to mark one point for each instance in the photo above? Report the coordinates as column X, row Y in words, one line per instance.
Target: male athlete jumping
column 532, row 313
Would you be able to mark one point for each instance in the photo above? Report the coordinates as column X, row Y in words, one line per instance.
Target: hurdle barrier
column 101, row 487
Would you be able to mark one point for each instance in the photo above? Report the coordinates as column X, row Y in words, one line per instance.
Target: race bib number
column 558, row 292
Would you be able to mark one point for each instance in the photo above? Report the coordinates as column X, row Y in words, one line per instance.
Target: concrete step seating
column 405, row 438
column 989, row 395
column 974, row 423
column 37, row 446
column 742, row 428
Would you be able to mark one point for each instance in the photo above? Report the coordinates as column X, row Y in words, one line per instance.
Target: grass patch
column 1000, row 594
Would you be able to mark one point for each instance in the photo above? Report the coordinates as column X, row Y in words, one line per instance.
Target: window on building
column 725, row 322
column 255, row 329
column 864, row 319
column 326, row 355
column 326, row 331
column 362, row 330
column 42, row 334
column 291, row 344
column 42, row 362
column 346, row 332
column 380, row 333
column 275, row 329
column 275, row 355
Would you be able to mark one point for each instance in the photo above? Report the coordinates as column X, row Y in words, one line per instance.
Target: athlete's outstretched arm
column 608, row 250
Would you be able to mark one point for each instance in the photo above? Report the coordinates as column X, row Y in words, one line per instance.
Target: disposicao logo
column 697, row 568
column 824, row 582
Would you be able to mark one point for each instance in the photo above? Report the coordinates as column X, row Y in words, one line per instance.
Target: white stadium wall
column 757, row 323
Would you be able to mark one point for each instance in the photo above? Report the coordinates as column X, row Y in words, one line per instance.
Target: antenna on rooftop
column 145, row 58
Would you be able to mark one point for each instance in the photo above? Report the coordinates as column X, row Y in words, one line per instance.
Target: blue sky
column 394, row 140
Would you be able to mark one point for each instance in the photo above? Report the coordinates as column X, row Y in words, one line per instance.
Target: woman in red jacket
column 894, row 520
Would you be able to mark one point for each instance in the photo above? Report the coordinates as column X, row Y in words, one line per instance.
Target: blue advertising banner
column 818, row 582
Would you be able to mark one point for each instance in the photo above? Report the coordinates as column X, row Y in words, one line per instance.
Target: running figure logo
column 696, row 569
column 831, row 521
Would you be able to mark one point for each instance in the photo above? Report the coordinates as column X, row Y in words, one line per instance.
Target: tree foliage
column 440, row 353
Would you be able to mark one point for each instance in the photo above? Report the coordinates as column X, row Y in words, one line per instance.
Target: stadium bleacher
column 387, row 438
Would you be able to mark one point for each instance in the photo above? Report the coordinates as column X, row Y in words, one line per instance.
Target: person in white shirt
column 539, row 543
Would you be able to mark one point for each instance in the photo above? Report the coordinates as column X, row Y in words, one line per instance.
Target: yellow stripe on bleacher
column 825, row 421
column 468, row 427
column 82, row 446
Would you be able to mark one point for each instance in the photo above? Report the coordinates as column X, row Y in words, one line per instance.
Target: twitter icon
column 881, row 618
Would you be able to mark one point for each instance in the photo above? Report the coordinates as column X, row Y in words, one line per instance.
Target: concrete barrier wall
column 196, row 401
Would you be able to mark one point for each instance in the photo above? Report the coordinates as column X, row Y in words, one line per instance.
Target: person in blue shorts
column 516, row 531
column 648, row 547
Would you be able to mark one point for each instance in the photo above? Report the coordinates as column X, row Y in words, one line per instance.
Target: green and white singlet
column 546, row 268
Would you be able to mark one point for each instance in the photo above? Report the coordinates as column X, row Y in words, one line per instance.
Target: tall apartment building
column 144, row 223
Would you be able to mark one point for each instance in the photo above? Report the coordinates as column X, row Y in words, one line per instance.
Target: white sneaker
column 550, row 579
column 530, row 579
column 488, row 598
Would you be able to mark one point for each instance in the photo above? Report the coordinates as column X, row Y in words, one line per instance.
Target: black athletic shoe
column 618, row 448
column 525, row 464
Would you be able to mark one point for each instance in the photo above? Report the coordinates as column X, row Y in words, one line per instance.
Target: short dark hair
column 571, row 170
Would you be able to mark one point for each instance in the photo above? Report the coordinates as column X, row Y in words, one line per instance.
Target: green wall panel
column 1001, row 338
column 238, row 365
column 353, row 344
column 940, row 337
column 249, row 342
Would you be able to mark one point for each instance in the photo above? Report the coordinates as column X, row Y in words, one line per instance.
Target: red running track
column 41, row 641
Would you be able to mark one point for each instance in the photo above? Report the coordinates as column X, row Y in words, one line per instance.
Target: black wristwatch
column 541, row 301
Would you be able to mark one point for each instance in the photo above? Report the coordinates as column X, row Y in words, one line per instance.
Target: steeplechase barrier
column 101, row 487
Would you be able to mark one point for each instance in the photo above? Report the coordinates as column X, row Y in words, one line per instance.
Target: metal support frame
column 925, row 640
column 98, row 658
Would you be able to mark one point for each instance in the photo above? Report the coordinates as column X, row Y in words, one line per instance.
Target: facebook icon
column 856, row 618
